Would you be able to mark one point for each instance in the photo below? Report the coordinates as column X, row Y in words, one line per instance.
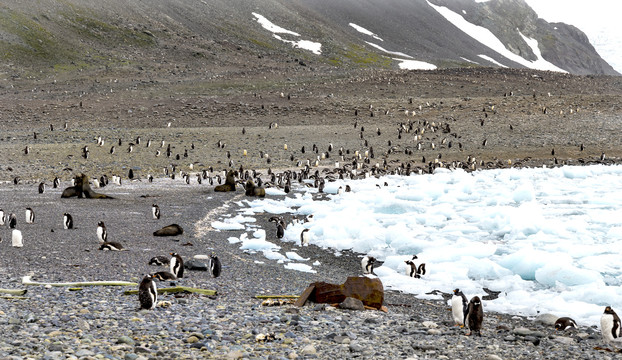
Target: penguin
column 304, row 237
column 155, row 211
column 177, row 265
column 41, row 187
column 367, row 263
column 214, row 266
column 159, row 260
column 280, row 231
column 414, row 271
column 474, row 316
column 111, row 245
column 12, row 221
column 459, row 305
column 565, row 323
column 610, row 325
column 30, row 216
column 16, row 238
column 102, row 234
column 163, row 276
column 147, row 293
column 67, row 221
column 56, row 182
column 2, row 218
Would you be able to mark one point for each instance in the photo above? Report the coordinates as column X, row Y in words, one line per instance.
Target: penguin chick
column 610, row 325
column 111, row 245
column 367, row 263
column 474, row 316
column 214, row 266
column 160, row 260
column 147, row 293
column 459, row 305
column 177, row 265
column 565, row 323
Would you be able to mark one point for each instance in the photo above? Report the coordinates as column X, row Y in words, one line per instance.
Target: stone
column 352, row 304
column 546, row 319
column 192, row 339
column 434, row 332
column 564, row 340
column 125, row 340
column 369, row 291
column 492, row 357
column 429, row 324
column 236, row 354
column 195, row 265
column 308, row 350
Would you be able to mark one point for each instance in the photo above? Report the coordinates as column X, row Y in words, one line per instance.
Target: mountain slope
column 69, row 36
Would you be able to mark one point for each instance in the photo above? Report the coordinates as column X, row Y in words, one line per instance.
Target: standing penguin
column 474, row 316
column 2, row 218
column 155, row 211
column 12, row 221
column 214, row 265
column 102, row 234
column 147, row 293
column 413, row 270
column 67, row 221
column 177, row 265
column 56, row 182
column 459, row 306
column 304, row 237
column 30, row 216
column 610, row 325
column 41, row 187
column 280, row 231
column 368, row 265
column 16, row 238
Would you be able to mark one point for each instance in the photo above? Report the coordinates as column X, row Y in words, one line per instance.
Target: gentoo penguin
column 41, row 187
column 2, row 218
column 67, row 221
column 147, row 293
column 610, row 325
column 56, row 182
column 102, row 234
column 459, row 305
column 12, row 221
column 177, row 265
column 155, row 211
column 304, row 237
column 368, row 265
column 474, row 316
column 111, row 245
column 413, row 270
column 280, row 231
column 214, row 266
column 16, row 238
column 565, row 323
column 163, row 276
column 159, row 260
column 30, row 216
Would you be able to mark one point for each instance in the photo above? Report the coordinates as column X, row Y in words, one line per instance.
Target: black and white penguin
column 12, row 221
column 610, row 325
column 565, row 323
column 474, row 316
column 111, row 245
column 304, row 237
column 102, row 234
column 16, row 238
column 2, row 218
column 147, row 293
column 30, row 216
column 459, row 305
column 413, row 270
column 164, row 276
column 67, row 221
column 214, row 265
column 155, row 211
column 159, row 260
column 41, row 187
column 367, row 263
column 280, row 231
column 177, row 265
column 56, row 182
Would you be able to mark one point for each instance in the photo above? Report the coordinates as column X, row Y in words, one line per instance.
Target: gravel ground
column 102, row 323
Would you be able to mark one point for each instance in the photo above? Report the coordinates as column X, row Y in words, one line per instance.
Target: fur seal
column 474, row 316
column 147, row 293
column 229, row 184
column 82, row 188
column 170, row 230
column 254, row 190
column 177, row 265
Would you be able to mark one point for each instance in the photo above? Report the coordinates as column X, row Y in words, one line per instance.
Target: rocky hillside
column 211, row 37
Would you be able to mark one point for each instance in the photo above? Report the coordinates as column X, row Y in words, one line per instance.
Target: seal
column 254, row 190
column 229, row 184
column 170, row 230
